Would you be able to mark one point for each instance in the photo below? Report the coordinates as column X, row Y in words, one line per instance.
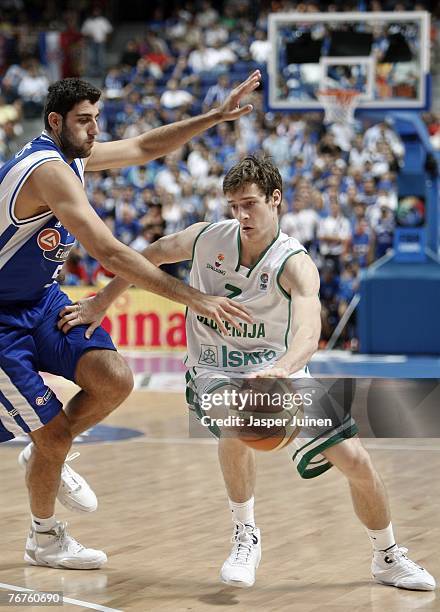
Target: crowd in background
column 339, row 195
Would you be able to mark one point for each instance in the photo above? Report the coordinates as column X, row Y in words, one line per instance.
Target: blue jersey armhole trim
column 19, row 222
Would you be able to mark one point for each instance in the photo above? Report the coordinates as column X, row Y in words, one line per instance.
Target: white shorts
column 307, row 446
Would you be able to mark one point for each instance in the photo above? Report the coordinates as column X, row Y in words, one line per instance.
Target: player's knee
column 359, row 466
column 54, row 440
column 123, row 382
column 108, row 378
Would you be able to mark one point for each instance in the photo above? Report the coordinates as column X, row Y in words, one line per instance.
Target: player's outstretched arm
column 59, row 188
column 168, row 138
column 169, row 249
column 300, row 279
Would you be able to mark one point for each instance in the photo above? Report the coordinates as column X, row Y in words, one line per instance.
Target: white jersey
column 216, row 270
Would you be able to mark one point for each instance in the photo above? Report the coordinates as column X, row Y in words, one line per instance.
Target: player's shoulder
column 220, row 229
column 290, row 244
column 299, row 271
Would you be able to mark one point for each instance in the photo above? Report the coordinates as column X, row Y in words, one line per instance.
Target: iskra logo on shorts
column 41, row 400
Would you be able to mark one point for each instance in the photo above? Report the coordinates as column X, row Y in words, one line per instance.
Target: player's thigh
column 26, row 402
column 93, row 364
column 201, row 389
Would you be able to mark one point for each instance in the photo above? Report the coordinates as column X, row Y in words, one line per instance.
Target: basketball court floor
column 164, row 523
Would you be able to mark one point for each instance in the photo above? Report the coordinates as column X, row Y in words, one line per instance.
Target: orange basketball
column 267, row 418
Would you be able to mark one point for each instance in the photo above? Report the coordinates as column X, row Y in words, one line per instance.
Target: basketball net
column 339, row 105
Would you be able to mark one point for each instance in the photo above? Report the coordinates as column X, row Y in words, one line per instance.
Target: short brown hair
column 65, row 94
column 251, row 169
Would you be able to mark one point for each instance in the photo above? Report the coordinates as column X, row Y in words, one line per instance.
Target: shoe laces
column 399, row 555
column 65, row 541
column 68, row 476
column 242, row 538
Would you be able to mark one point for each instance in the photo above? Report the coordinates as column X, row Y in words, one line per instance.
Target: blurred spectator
column 33, row 90
column 131, row 55
column 97, row 29
column 260, row 48
column 75, row 270
column 13, row 77
column 127, row 225
column 334, row 234
column 383, row 232
column 217, row 93
column 302, row 223
column 383, row 132
column 72, row 45
column 173, row 97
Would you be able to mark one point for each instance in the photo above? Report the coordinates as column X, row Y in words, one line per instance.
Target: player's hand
column 88, row 310
column 231, row 109
column 221, row 309
column 275, row 372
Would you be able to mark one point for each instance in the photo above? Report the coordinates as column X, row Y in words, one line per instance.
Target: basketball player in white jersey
column 271, row 274
column 43, row 208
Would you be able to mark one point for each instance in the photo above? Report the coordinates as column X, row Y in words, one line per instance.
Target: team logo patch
column 42, row 400
column 48, row 239
column 220, row 259
column 208, row 355
column 264, row 280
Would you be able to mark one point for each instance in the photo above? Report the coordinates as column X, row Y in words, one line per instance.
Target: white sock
column 243, row 512
column 41, row 525
column 382, row 539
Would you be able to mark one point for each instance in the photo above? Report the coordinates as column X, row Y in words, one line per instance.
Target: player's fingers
column 69, row 325
column 231, row 320
column 220, row 325
column 239, row 112
column 249, row 82
column 68, row 317
column 239, row 311
column 67, row 309
column 90, row 330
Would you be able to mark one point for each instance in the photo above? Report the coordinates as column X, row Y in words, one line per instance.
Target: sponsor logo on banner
column 138, row 320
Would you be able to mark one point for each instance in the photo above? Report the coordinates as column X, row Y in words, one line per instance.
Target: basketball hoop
column 339, row 104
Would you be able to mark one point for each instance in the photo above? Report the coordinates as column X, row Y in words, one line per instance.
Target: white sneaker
column 55, row 548
column 74, row 492
column 239, row 568
column 393, row 568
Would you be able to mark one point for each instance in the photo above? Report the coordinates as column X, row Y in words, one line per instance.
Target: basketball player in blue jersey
column 43, row 209
column 275, row 277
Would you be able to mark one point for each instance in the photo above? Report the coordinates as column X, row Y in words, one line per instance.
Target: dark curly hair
column 251, row 169
column 64, row 94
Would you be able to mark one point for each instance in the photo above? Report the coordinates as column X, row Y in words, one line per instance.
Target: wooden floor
column 164, row 523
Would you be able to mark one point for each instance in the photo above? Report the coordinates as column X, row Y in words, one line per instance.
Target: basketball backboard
column 383, row 55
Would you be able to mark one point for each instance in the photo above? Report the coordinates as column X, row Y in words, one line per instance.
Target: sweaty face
column 79, row 129
column 256, row 216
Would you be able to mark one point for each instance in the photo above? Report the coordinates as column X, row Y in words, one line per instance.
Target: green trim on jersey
column 280, row 271
column 288, row 324
column 196, row 238
column 237, row 268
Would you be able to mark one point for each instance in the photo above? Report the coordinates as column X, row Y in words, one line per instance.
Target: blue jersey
column 32, row 251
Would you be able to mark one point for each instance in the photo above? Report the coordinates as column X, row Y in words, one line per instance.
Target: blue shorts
column 30, row 342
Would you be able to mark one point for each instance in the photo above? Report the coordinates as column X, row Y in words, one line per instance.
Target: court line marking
column 74, row 602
